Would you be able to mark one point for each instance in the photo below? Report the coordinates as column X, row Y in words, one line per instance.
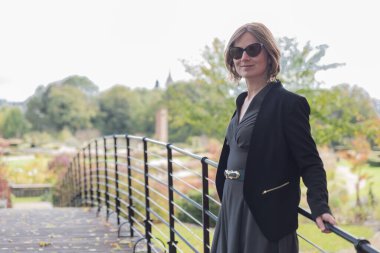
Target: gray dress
column 236, row 230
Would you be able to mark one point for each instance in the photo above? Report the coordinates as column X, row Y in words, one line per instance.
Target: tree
column 208, row 99
column 147, row 102
column 299, row 66
column 68, row 106
column 36, row 110
column 203, row 105
column 186, row 113
column 115, row 110
column 14, row 124
column 82, row 83
column 341, row 113
column 68, row 103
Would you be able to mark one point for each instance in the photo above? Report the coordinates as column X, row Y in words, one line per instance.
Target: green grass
column 373, row 179
column 27, row 199
column 185, row 233
column 329, row 242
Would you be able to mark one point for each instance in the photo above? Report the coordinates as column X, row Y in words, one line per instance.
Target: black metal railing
column 145, row 184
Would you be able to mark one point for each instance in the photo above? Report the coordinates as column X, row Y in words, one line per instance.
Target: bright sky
column 136, row 43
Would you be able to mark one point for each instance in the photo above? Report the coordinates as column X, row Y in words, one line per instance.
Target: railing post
column 74, row 179
column 72, row 165
column 106, row 176
column 71, row 184
column 97, row 175
column 205, row 209
column 90, row 169
column 77, row 181
column 172, row 242
column 148, row 227
column 80, row 178
column 63, row 193
column 117, row 200
column 68, row 191
column 84, row 175
column 130, row 200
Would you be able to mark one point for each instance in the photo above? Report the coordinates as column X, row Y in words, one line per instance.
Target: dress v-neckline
column 249, row 105
column 239, row 121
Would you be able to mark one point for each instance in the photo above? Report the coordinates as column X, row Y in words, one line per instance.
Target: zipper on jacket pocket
column 275, row 188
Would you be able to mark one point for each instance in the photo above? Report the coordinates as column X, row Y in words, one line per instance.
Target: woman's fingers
column 326, row 217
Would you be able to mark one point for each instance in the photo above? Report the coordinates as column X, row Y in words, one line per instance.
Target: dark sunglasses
column 252, row 50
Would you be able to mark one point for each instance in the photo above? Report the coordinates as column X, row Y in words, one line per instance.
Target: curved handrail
column 79, row 187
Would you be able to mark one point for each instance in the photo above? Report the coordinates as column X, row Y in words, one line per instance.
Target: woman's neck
column 254, row 87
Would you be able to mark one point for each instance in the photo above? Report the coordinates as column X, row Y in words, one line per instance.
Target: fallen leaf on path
column 126, row 242
column 44, row 244
column 115, row 245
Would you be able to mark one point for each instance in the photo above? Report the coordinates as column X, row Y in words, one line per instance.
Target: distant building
column 169, row 80
column 157, row 85
column 5, row 193
column 162, row 132
column 162, row 128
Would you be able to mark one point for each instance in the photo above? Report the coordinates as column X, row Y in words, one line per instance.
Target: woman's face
column 254, row 68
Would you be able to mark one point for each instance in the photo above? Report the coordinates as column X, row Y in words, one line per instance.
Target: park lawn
column 372, row 180
column 27, row 199
column 29, row 171
column 374, row 173
column 41, row 159
column 193, row 240
column 329, row 242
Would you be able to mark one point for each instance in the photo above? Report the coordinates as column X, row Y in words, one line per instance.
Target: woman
column 268, row 147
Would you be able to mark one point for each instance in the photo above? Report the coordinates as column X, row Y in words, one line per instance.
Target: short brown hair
column 264, row 36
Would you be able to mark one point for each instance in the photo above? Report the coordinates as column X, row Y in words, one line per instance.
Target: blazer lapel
column 268, row 97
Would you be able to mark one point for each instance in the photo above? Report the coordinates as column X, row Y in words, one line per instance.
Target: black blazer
column 281, row 151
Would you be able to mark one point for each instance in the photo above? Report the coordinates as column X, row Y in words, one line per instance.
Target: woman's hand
column 326, row 217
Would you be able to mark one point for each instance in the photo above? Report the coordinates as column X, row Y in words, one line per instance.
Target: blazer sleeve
column 305, row 153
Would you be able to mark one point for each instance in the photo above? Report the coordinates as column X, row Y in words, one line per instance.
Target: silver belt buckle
column 232, row 174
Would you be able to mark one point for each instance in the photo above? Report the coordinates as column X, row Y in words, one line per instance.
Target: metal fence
column 164, row 194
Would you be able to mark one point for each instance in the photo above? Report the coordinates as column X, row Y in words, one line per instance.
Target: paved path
column 33, row 205
column 58, row 230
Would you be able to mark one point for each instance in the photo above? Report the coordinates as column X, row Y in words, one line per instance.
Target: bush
column 59, row 162
column 194, row 211
column 374, row 159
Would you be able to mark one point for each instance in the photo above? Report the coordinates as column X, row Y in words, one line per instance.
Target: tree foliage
column 82, row 83
column 340, row 113
column 13, row 123
column 299, row 66
column 147, row 103
column 123, row 110
column 68, row 103
column 68, row 106
column 36, row 110
column 115, row 110
column 203, row 105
